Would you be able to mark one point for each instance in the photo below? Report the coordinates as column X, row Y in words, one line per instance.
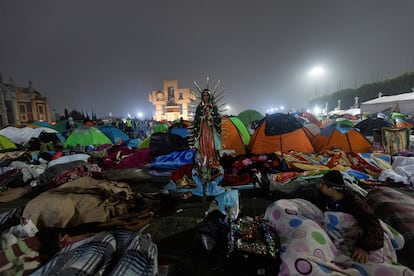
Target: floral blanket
column 370, row 163
column 318, row 243
column 312, row 165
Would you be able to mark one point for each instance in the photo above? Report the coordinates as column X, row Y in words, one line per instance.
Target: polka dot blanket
column 319, row 243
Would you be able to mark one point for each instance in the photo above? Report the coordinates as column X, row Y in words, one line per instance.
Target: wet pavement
column 174, row 228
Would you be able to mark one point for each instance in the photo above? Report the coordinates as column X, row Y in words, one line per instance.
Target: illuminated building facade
column 172, row 103
column 22, row 105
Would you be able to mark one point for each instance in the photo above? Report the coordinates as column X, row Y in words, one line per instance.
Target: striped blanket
column 107, row 253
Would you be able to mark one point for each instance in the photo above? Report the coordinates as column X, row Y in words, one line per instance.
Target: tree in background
column 76, row 115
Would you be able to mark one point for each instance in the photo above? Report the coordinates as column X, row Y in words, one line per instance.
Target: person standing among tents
column 207, row 130
column 70, row 125
column 129, row 127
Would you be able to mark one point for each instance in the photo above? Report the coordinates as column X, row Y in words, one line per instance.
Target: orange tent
column 280, row 132
column 231, row 136
column 347, row 138
column 402, row 123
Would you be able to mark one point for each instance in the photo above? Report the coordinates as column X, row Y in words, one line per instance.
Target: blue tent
column 115, row 134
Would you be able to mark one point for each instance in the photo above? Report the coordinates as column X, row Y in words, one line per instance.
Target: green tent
column 6, row 144
column 244, row 133
column 86, row 136
column 61, row 126
column 395, row 115
column 160, row 127
column 145, row 144
column 249, row 116
column 344, row 122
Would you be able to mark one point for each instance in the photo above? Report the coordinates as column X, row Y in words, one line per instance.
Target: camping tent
column 280, row 132
column 6, row 144
column 310, row 117
column 234, row 135
column 352, row 111
column 402, row 123
column 86, row 136
column 368, row 126
column 145, row 144
column 403, row 103
column 160, row 127
column 347, row 138
column 180, row 128
column 20, row 136
column 249, row 116
column 61, row 126
column 162, row 143
column 115, row 134
column 314, row 129
column 41, row 124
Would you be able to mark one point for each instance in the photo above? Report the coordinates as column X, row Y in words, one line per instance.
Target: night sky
column 107, row 56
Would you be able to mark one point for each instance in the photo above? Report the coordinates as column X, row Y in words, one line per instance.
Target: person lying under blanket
column 338, row 232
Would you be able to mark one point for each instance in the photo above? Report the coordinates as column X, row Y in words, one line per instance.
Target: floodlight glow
column 317, row 71
column 317, row 110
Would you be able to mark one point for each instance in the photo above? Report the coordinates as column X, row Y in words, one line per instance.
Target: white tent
column 352, row 111
column 23, row 135
column 402, row 103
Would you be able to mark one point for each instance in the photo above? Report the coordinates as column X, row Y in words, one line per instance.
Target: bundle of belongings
column 253, row 247
column 248, row 245
column 84, row 200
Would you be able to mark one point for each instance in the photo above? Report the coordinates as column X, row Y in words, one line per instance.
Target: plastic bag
column 211, row 234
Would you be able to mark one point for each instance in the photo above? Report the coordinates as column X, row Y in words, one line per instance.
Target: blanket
column 83, row 200
column 108, row 253
column 396, row 209
column 370, row 163
column 126, row 158
column 318, row 243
